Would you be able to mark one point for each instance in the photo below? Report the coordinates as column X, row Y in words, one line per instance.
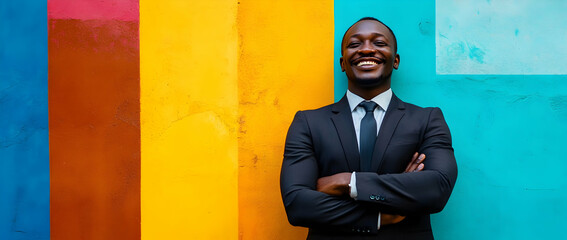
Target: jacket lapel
column 394, row 113
column 342, row 119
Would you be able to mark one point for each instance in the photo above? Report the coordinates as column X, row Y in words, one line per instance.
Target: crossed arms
column 339, row 185
column 314, row 201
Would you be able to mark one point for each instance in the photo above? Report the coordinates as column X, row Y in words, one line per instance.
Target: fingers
column 421, row 158
column 419, row 163
column 412, row 162
column 420, row 167
column 416, row 163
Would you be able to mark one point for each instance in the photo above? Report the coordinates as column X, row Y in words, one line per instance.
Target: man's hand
column 415, row 165
column 336, row 185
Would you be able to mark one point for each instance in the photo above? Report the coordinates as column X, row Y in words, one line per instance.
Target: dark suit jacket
column 323, row 142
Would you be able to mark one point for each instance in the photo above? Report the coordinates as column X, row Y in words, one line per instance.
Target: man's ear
column 397, row 61
column 342, row 64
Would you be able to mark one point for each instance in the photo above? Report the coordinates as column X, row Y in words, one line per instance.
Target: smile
column 366, row 63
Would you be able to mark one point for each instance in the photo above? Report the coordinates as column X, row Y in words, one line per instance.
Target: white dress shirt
column 358, row 112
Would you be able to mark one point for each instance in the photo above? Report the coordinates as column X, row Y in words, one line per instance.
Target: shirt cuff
column 352, row 185
column 354, row 194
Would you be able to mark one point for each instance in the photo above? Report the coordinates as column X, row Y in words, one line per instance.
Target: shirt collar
column 382, row 99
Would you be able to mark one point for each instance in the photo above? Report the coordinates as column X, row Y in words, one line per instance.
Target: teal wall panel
column 509, row 133
column 509, row 127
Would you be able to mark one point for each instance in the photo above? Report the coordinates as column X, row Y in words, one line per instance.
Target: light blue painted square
column 511, row 37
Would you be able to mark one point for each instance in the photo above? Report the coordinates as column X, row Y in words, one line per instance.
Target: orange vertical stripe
column 285, row 65
column 94, row 129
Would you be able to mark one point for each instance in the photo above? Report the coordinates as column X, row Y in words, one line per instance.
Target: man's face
column 369, row 54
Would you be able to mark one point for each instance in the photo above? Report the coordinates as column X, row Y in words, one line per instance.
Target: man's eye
column 380, row 43
column 354, row 44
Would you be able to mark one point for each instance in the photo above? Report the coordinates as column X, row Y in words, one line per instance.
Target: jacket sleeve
column 298, row 181
column 418, row 192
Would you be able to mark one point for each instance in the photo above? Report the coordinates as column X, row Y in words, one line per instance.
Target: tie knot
column 368, row 106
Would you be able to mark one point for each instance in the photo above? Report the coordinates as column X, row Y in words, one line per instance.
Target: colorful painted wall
column 126, row 119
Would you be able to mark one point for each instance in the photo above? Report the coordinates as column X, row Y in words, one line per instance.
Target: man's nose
column 367, row 48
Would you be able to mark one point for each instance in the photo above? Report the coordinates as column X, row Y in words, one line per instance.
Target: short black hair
column 372, row 19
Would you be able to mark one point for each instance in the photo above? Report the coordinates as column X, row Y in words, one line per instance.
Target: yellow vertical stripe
column 189, row 108
column 220, row 82
column 285, row 64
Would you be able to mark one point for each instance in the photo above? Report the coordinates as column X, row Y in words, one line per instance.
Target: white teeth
column 366, row 63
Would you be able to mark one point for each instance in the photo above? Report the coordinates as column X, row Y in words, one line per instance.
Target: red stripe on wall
column 94, row 126
column 125, row 10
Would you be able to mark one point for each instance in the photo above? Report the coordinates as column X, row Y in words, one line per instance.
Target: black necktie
column 368, row 131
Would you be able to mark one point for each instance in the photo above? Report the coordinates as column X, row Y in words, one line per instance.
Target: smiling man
column 369, row 166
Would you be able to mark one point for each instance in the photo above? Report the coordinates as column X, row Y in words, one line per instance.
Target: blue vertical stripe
column 24, row 140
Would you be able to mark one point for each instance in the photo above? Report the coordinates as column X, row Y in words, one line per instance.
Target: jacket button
column 372, row 197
